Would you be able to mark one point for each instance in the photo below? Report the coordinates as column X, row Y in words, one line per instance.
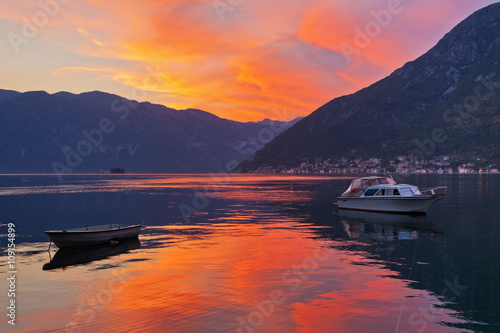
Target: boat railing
column 439, row 191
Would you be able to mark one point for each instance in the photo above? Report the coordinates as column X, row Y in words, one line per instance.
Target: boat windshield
column 377, row 181
column 354, row 190
column 386, row 181
column 359, row 185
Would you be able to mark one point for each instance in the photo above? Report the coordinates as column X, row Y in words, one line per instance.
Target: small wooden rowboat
column 99, row 234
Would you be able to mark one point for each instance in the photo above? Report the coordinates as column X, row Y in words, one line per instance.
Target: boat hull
column 70, row 238
column 400, row 205
column 73, row 256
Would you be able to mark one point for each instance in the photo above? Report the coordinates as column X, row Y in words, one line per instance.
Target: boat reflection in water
column 383, row 226
column 83, row 255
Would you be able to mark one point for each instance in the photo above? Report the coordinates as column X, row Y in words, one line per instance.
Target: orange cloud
column 242, row 64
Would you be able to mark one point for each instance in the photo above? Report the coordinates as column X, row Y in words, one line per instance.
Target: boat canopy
column 358, row 186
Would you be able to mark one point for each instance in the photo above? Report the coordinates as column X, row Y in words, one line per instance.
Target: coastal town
column 400, row 164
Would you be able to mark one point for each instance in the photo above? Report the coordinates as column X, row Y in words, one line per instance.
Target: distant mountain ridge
column 64, row 133
column 446, row 102
column 6, row 94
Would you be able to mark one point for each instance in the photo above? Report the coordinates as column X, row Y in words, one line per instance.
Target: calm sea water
column 251, row 254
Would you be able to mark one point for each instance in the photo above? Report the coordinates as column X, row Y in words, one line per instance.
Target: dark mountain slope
column 88, row 132
column 6, row 94
column 445, row 102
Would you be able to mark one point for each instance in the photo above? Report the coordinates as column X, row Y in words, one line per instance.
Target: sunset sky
column 239, row 59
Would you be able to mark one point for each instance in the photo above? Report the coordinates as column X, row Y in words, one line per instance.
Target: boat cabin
column 379, row 186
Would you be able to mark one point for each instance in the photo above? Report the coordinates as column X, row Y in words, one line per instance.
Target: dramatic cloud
column 243, row 60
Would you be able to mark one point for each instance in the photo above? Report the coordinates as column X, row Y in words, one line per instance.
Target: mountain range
column 446, row 102
column 65, row 133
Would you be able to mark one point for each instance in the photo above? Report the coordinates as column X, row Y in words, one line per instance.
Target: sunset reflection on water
column 258, row 263
column 225, row 279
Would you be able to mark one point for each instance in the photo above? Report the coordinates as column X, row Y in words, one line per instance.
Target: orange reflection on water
column 210, row 183
column 250, row 268
column 181, row 287
column 244, row 277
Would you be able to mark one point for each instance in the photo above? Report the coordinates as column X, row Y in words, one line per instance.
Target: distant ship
column 382, row 194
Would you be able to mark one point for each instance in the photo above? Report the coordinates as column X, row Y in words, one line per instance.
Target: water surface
column 237, row 253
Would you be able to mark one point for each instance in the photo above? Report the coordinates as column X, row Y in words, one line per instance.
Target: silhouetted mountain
column 6, row 94
column 94, row 131
column 446, row 102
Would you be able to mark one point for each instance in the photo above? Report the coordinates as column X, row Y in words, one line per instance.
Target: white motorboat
column 382, row 194
column 106, row 233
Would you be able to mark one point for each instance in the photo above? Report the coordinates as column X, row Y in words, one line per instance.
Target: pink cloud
column 256, row 57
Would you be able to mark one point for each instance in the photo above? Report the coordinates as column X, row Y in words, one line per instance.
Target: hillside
column 68, row 133
column 446, row 102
